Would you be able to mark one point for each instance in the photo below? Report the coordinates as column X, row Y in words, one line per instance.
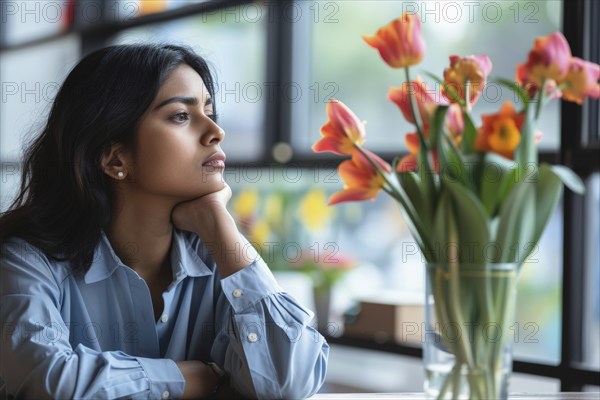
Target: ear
column 116, row 162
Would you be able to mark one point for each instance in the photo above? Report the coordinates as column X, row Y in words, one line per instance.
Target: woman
column 123, row 273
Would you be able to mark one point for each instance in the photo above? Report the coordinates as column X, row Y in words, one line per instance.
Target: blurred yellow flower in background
column 245, row 204
column 274, row 209
column 314, row 212
column 259, row 234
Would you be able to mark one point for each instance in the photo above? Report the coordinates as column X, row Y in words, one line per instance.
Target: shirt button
column 164, row 318
column 252, row 337
column 165, row 394
column 237, row 293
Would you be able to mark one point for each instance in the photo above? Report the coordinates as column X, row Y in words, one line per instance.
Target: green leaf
column 522, row 93
column 569, row 178
column 508, row 183
column 413, row 188
column 436, row 129
column 494, row 170
column 517, row 224
column 548, row 190
column 469, row 134
column 444, row 228
column 526, row 151
column 473, row 169
column 473, row 233
column 452, row 163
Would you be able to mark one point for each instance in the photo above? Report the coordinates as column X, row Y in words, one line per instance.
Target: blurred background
column 277, row 64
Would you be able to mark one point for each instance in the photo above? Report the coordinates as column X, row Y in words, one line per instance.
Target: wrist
column 220, row 377
column 212, row 221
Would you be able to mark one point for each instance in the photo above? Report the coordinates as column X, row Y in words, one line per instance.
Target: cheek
column 165, row 159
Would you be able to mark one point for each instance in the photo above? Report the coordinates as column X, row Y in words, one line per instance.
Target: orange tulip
column 500, row 132
column 399, row 43
column 341, row 132
column 361, row 179
column 409, row 161
column 549, row 59
column 581, row 81
column 471, row 69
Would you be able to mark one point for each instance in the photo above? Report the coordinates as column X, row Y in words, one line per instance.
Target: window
column 307, row 52
column 27, row 93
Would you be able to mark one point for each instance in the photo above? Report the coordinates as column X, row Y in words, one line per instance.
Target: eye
column 180, row 117
column 212, row 116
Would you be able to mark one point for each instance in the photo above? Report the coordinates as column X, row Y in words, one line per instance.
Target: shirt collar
column 185, row 260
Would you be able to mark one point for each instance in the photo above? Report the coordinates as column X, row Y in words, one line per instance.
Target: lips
column 217, row 160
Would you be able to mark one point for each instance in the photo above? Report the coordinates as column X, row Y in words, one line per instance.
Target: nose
column 213, row 134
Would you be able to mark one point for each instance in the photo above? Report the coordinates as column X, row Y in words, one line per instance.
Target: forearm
column 200, row 380
column 230, row 249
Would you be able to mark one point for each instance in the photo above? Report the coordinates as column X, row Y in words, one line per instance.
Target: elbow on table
column 300, row 383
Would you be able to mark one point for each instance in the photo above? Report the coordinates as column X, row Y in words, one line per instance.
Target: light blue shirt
column 95, row 336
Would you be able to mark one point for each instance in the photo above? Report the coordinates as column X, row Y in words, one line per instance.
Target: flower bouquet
column 474, row 196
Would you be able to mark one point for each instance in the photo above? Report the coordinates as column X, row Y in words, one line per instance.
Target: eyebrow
column 192, row 101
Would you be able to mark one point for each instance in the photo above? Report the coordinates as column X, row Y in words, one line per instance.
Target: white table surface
column 421, row 396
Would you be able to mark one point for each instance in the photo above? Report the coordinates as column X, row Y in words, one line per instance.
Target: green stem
column 467, row 107
column 541, row 94
column 456, row 380
column 413, row 219
column 423, row 146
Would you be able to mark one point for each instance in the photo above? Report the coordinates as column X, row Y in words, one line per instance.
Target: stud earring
column 120, row 174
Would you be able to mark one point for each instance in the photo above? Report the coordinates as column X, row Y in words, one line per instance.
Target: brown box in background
column 384, row 320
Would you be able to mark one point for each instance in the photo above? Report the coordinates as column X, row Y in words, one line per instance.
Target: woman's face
column 177, row 151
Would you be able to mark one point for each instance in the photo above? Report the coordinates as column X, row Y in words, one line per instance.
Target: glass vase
column 469, row 311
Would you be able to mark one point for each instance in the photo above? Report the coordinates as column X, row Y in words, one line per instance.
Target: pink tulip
column 549, row 59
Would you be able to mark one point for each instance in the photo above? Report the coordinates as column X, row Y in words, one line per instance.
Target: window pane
column 9, row 183
column 29, row 20
column 537, row 329
column 235, row 48
column 28, row 90
column 342, row 66
column 591, row 317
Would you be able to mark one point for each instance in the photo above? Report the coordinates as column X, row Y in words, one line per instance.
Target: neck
column 140, row 233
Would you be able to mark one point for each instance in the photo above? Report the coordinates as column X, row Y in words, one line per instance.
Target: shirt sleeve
column 266, row 343
column 37, row 360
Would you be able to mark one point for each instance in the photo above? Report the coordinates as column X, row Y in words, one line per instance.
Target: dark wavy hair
column 65, row 198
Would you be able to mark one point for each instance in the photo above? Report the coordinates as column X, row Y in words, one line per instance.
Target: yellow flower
column 245, row 204
column 314, row 211
column 259, row 234
column 274, row 209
